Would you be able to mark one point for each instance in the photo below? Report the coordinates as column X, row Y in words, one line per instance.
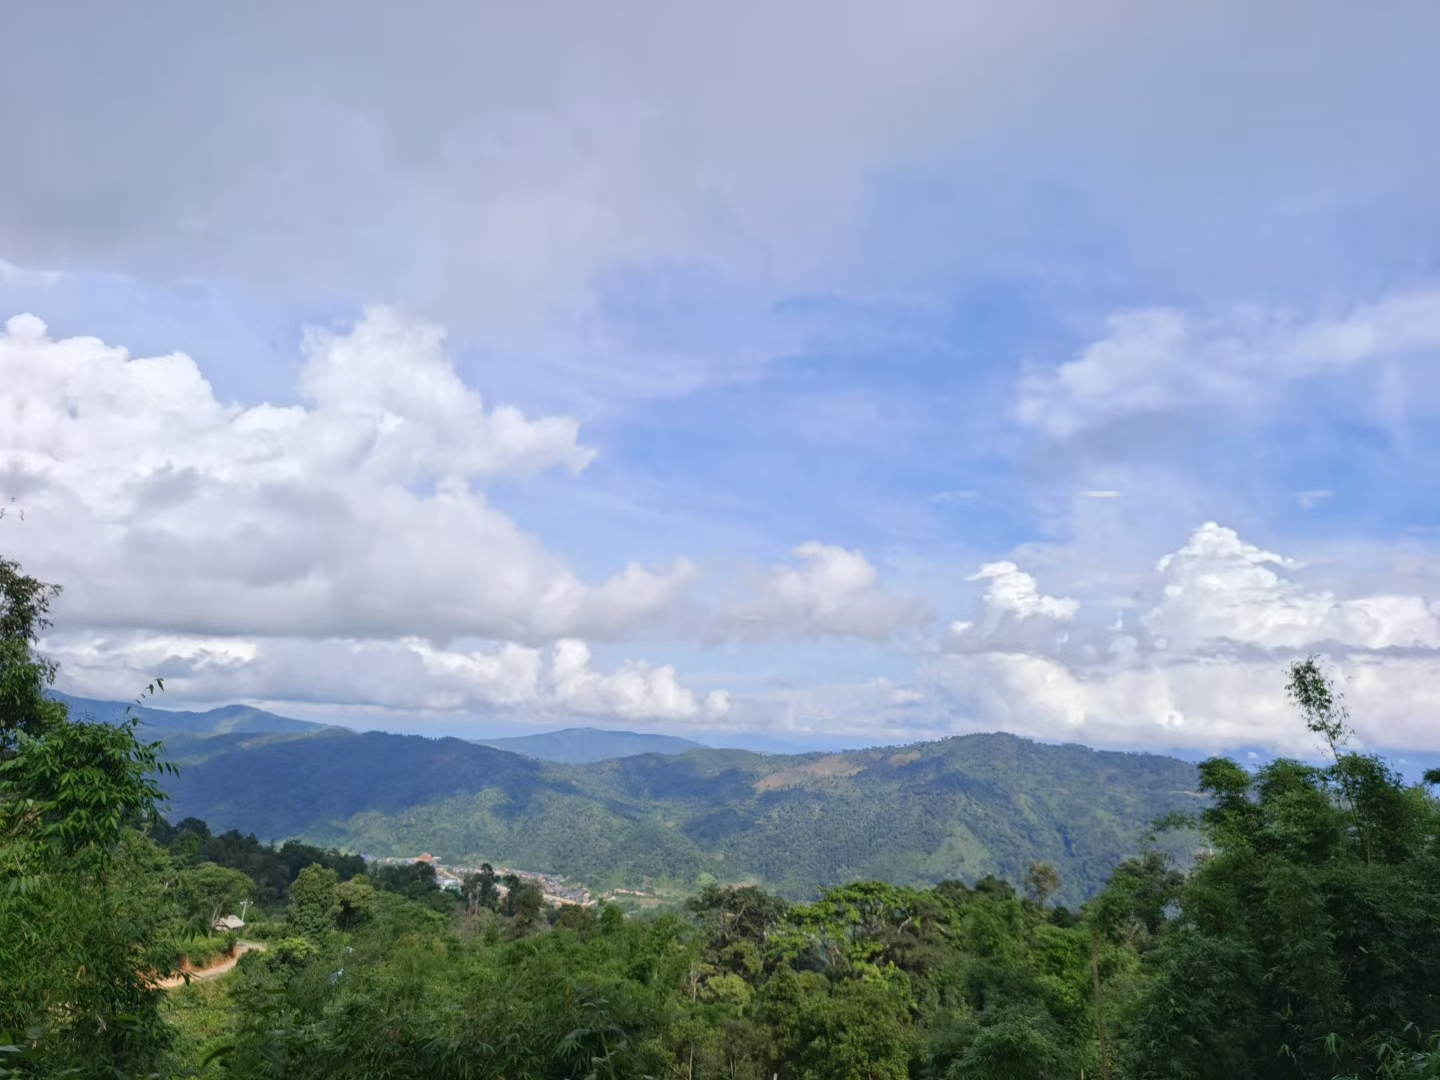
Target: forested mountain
column 164, row 723
column 960, row 807
column 297, row 787
column 584, row 746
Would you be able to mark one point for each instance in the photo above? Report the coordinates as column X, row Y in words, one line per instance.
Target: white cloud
column 1013, row 592
column 354, row 514
column 634, row 691
column 336, row 551
column 1161, row 360
column 1217, row 588
column 409, row 674
column 834, row 592
column 1204, row 665
column 1200, row 703
column 386, row 390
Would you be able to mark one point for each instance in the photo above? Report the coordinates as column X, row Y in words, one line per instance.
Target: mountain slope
column 227, row 720
column 585, row 746
column 307, row 785
column 960, row 807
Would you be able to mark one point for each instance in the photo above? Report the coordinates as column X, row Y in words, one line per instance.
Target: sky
column 806, row 374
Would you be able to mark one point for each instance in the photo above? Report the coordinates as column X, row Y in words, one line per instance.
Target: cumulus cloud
column 635, row 690
column 386, row 393
column 1162, row 360
column 331, row 551
column 833, row 592
column 1015, row 615
column 1011, row 591
column 1203, row 665
column 408, row 673
column 1218, row 588
column 355, row 513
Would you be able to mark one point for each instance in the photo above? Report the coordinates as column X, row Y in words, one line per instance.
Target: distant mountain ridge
column 226, row 720
column 587, row 746
column 569, row 746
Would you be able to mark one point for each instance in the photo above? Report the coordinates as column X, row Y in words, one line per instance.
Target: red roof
column 427, row 857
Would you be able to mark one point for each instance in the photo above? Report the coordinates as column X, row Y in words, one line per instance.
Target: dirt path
column 218, row 968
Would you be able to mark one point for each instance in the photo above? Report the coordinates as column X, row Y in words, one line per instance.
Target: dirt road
column 218, row 968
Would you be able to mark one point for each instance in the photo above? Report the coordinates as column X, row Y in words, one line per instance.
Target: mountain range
column 227, row 720
column 585, row 746
column 569, row 746
column 959, row 807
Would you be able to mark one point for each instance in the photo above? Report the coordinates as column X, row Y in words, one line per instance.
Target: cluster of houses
column 557, row 889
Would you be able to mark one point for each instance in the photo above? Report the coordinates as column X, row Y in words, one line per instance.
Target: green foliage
column 419, row 882
column 480, row 889
column 357, row 902
column 24, row 676
column 208, row 891
column 270, row 867
column 84, row 911
column 315, row 905
column 1042, row 881
column 523, row 900
column 1310, row 939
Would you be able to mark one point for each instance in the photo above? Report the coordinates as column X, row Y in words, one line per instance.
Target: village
column 555, row 888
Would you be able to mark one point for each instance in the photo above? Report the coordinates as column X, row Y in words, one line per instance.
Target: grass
column 202, row 1014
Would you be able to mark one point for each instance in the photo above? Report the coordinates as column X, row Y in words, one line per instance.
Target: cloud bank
column 344, row 549
column 357, row 513
column 325, row 551
column 1198, row 662
column 406, row 674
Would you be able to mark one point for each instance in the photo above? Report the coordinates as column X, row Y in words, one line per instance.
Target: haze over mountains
column 569, row 746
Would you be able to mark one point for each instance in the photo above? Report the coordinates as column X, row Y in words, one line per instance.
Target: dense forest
column 1303, row 942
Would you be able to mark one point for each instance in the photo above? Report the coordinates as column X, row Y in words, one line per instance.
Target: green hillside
column 960, row 807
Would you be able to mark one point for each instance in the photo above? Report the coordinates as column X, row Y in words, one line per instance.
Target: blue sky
column 886, row 371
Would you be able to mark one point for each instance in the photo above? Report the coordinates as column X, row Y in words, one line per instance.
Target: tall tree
column 1042, row 881
column 83, row 921
column 24, row 674
column 1311, row 936
column 315, row 904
